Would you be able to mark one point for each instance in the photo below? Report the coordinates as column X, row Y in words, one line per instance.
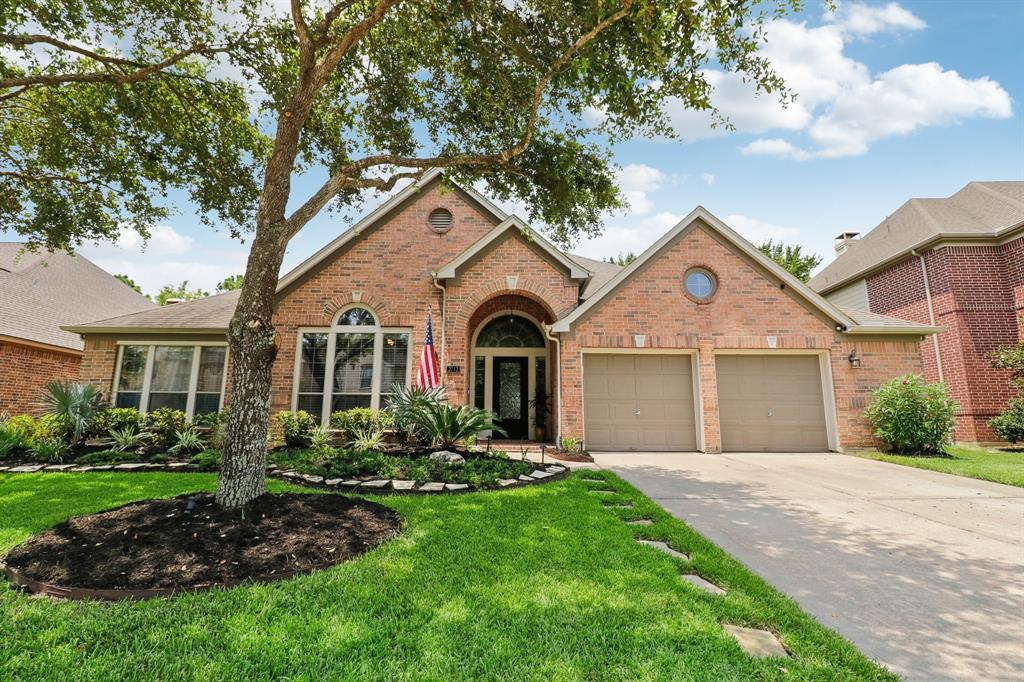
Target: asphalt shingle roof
column 979, row 209
column 41, row 292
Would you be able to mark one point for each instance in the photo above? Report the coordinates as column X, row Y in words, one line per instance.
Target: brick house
column 701, row 344
column 956, row 263
column 39, row 292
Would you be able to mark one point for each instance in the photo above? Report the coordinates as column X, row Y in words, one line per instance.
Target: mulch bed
column 574, row 456
column 188, row 542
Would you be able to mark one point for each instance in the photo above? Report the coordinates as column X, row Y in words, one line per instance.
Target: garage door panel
column 659, row 387
column 771, row 403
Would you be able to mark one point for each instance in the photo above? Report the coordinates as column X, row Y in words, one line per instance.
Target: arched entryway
column 509, row 373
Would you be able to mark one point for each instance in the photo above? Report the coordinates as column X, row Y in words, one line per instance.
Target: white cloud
column 902, row 100
column 774, row 147
column 858, row 19
column 708, row 178
column 757, row 231
column 847, row 107
column 164, row 240
column 632, row 238
column 636, row 180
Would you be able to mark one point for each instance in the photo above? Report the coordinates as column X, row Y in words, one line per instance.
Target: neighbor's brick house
column 642, row 350
column 957, row 263
column 39, row 292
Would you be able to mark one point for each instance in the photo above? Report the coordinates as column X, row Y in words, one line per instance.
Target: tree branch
column 113, row 78
column 51, row 177
column 35, row 39
column 301, row 29
column 347, row 176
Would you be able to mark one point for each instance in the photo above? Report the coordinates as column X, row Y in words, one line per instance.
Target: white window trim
column 378, row 358
column 147, row 375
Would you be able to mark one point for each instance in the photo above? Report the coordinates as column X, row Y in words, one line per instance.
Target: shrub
column 186, row 440
column 50, row 449
column 361, row 420
column 403, row 404
column 445, row 425
column 1009, row 424
column 319, row 438
column 165, row 424
column 118, row 419
column 296, row 427
column 107, row 457
column 75, row 405
column 22, row 424
column 911, row 416
column 207, row 460
column 48, row 427
column 128, row 438
column 569, row 443
column 11, row 441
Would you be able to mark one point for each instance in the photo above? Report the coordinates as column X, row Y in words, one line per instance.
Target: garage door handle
column 638, row 413
column 769, row 413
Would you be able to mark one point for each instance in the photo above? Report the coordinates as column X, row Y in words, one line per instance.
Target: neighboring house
column 39, row 292
column 701, row 344
column 956, row 263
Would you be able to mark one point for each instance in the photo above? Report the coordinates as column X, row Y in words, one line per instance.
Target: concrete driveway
column 923, row 571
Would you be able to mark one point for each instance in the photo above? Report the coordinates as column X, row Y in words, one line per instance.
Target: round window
column 700, row 284
column 440, row 220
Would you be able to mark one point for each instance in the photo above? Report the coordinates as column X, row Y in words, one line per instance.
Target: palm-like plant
column 406, row 401
column 75, row 404
column 447, row 425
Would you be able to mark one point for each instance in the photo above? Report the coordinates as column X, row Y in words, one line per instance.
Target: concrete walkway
column 923, row 571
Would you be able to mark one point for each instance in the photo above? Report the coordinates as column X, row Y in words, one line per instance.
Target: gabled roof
column 600, row 272
column 979, row 211
column 376, row 215
column 41, row 291
column 203, row 315
column 844, row 320
column 450, row 270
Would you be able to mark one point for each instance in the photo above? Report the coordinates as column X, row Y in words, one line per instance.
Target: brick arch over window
column 517, row 303
column 329, row 309
column 526, row 291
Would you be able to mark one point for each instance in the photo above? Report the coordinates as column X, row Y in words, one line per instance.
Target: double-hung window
column 183, row 377
column 355, row 363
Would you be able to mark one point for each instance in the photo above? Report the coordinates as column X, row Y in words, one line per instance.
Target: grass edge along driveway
column 544, row 582
column 997, row 465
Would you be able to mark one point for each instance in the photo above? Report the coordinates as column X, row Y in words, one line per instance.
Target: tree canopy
column 128, row 281
column 230, row 283
column 792, row 258
column 110, row 110
column 175, row 293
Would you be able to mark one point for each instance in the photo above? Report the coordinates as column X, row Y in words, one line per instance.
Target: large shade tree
column 110, row 111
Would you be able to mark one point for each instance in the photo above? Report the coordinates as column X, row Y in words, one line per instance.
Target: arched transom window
column 510, row 331
column 354, row 363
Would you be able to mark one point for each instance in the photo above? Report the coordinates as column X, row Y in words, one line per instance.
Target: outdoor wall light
column 854, row 360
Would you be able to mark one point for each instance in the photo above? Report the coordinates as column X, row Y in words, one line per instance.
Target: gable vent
column 440, row 220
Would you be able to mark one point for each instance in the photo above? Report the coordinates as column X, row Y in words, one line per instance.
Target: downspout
column 558, row 377
column 444, row 327
column 931, row 310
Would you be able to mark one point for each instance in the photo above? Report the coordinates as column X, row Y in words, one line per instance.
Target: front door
column 509, row 399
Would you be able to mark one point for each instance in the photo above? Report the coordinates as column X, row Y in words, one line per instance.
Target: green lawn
column 988, row 464
column 542, row 582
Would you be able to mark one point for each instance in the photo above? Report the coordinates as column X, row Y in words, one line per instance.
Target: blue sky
column 896, row 100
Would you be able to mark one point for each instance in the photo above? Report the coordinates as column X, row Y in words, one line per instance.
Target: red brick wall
column 390, row 268
column 26, row 371
column 978, row 296
column 746, row 310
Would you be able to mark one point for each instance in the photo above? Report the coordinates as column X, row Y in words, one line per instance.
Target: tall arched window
column 355, row 363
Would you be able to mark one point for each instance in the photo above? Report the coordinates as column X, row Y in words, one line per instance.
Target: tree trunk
column 251, row 341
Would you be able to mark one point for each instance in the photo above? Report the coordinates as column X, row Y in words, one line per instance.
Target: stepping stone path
column 602, row 491
column 310, row 478
column 624, row 505
column 351, row 483
column 524, row 477
column 663, row 547
column 454, row 487
column 376, row 485
column 26, row 468
column 640, row 522
column 757, row 643
column 130, row 466
column 701, row 583
column 333, row 481
column 593, row 480
column 402, row 485
column 506, row 482
column 59, row 467
column 539, row 474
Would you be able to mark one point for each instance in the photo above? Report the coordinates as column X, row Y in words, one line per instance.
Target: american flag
column 427, row 375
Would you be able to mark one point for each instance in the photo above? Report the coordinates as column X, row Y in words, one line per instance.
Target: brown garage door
column 771, row 403
column 638, row 402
